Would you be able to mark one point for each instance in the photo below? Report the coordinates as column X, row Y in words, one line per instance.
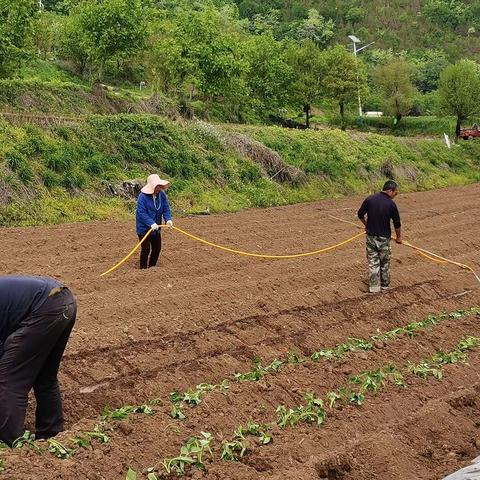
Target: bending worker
column 37, row 315
column 380, row 210
column 152, row 207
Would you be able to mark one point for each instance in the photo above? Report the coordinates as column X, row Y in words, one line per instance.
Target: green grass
column 408, row 126
column 60, row 174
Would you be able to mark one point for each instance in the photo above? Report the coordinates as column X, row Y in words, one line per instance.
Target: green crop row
column 194, row 396
column 314, row 411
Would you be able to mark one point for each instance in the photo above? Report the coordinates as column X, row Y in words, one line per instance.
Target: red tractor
column 470, row 133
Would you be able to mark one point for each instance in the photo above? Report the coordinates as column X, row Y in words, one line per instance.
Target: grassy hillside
column 68, row 173
column 71, row 98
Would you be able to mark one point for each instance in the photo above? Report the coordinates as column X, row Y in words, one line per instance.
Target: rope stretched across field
column 421, row 251
column 424, row 253
column 232, row 250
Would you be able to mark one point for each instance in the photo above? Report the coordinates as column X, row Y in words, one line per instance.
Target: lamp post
column 356, row 40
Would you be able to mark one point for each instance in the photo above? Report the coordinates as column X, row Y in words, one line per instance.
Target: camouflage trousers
column 378, row 256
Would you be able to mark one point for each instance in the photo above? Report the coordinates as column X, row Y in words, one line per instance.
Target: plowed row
column 203, row 315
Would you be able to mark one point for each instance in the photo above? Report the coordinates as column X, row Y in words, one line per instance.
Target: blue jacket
column 150, row 211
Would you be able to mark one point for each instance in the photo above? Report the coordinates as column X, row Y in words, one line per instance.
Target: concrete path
column 472, row 472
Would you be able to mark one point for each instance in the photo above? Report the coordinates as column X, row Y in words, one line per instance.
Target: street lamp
column 356, row 40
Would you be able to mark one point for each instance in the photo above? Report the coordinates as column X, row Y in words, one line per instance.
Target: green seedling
column 356, row 398
column 315, row 356
column 191, row 453
column 2, row 466
column 359, row 343
column 124, row 412
column 332, row 398
column 176, row 397
column 80, row 442
column 259, row 371
column 424, row 370
column 294, row 358
column 369, row 381
column 443, row 358
column 98, row 434
column 194, row 396
column 312, row 412
column 28, row 440
column 177, row 465
column 254, row 429
column 131, row 475
column 58, row 449
column 393, row 375
column 233, row 450
column 468, row 343
column 176, row 411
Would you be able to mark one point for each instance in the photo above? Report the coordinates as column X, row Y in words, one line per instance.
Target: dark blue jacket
column 380, row 210
column 151, row 210
column 19, row 297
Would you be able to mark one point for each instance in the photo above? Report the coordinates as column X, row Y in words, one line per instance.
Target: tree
column 71, row 44
column 397, row 90
column 316, row 28
column 451, row 13
column 459, row 91
column 110, row 30
column 45, row 27
column 355, row 14
column 343, row 78
column 199, row 53
column 426, row 68
column 16, row 21
column 305, row 62
column 269, row 75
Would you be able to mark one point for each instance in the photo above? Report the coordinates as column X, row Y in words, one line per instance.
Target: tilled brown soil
column 203, row 315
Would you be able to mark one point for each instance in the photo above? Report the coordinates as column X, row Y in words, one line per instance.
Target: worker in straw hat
column 152, row 209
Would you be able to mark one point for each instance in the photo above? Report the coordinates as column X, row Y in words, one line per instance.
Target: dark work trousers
column 153, row 243
column 31, row 359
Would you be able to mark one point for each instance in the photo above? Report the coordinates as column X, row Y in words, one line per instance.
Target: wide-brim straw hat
column 152, row 182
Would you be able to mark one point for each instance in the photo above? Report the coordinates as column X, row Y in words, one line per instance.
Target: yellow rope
column 437, row 258
column 121, row 262
column 231, row 250
column 424, row 253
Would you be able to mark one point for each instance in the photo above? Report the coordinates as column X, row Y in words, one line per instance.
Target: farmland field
column 204, row 315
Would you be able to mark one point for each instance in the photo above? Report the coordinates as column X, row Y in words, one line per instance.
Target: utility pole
column 356, row 40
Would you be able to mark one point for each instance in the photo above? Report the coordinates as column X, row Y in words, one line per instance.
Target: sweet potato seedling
column 332, row 398
column 26, row 440
column 231, row 451
column 191, row 453
column 58, row 449
column 80, row 442
column 98, row 434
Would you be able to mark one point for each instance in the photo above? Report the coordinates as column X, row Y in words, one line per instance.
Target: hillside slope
column 65, row 173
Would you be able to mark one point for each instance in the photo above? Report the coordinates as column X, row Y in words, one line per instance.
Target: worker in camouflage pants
column 378, row 256
column 380, row 210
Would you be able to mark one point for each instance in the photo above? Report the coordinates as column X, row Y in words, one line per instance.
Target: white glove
column 154, row 226
column 169, row 223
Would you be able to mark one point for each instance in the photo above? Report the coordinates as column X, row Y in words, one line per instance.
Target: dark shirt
column 20, row 296
column 380, row 210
